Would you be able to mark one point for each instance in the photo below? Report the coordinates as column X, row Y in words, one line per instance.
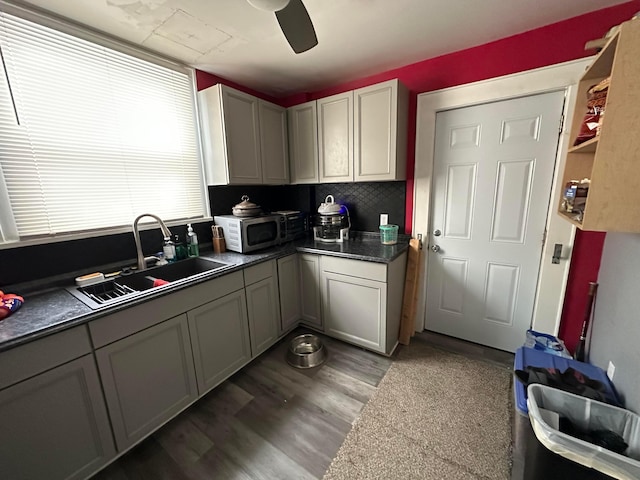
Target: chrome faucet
column 142, row 262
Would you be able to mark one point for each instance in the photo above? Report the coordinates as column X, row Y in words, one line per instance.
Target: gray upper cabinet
column 220, row 339
column 274, row 148
column 380, row 132
column 55, row 425
column 303, row 142
column 289, row 286
column 309, row 270
column 361, row 135
column 147, row 377
column 244, row 138
column 335, row 138
column 263, row 305
column 231, row 136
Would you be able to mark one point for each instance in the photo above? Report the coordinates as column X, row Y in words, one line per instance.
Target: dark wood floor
column 270, row 420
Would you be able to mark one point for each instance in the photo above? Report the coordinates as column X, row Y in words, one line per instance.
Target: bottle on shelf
column 192, row 242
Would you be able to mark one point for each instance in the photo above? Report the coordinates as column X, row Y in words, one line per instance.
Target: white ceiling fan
column 294, row 22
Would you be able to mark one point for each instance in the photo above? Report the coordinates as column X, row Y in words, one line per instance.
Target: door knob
column 437, row 233
column 435, row 248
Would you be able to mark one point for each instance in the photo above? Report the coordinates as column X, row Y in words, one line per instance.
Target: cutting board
column 407, row 320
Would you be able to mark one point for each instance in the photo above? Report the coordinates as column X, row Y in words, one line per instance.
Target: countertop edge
column 390, row 254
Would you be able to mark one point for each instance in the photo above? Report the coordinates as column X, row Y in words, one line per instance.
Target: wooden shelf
column 566, row 216
column 586, row 147
column 610, row 160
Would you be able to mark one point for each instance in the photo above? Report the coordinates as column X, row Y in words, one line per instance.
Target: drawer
column 32, row 358
column 355, row 268
column 259, row 272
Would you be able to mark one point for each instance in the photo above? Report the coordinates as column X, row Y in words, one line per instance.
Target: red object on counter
column 158, row 282
column 9, row 303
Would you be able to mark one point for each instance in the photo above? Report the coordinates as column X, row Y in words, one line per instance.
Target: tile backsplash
column 366, row 201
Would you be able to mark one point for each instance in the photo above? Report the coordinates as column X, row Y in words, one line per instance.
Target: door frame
column 552, row 282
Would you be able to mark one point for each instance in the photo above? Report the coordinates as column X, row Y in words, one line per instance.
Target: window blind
column 91, row 137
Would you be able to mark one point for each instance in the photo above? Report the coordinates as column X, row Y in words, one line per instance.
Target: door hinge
column 544, row 237
column 561, row 123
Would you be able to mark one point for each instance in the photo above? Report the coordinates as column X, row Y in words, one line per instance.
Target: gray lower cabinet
column 362, row 301
column 220, row 339
column 354, row 309
column 309, row 278
column 289, row 287
column 147, row 377
column 55, row 425
column 263, row 305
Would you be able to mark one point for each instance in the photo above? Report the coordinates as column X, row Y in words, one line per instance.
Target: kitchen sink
column 126, row 286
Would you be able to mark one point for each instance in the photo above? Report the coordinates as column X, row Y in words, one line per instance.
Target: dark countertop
column 52, row 309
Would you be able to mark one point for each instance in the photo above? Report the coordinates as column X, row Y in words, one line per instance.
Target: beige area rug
column 435, row 415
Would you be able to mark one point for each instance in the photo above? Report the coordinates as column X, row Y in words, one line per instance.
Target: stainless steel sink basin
column 183, row 269
column 124, row 287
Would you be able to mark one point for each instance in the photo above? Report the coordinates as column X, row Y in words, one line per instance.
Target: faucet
column 142, row 263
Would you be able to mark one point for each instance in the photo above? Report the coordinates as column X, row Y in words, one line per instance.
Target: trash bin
column 531, row 459
column 589, row 416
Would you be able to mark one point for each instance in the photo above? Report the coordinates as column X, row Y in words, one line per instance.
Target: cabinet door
column 273, row 144
column 310, row 290
column 55, row 425
column 147, row 378
column 264, row 314
column 289, row 292
column 376, row 136
column 354, row 309
column 220, row 339
column 335, row 138
column 303, row 142
column 242, row 136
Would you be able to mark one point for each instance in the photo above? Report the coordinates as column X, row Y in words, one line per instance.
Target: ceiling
column 357, row 38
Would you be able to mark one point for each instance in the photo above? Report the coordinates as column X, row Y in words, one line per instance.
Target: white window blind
column 91, row 137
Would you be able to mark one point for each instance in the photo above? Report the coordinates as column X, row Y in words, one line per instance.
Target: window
column 91, row 137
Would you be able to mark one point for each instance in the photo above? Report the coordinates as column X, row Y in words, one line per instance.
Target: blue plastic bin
column 529, row 357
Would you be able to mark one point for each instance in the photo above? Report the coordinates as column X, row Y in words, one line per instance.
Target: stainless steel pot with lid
column 246, row 208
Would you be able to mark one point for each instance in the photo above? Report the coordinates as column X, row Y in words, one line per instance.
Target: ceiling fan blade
column 296, row 25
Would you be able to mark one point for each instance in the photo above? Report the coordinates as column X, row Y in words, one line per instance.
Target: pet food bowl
column 306, row 351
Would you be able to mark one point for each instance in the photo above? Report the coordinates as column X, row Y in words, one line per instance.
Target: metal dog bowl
column 306, row 351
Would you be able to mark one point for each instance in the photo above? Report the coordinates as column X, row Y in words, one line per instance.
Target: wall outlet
column 611, row 369
column 384, row 218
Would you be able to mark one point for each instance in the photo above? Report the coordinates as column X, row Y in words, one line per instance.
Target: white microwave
column 247, row 234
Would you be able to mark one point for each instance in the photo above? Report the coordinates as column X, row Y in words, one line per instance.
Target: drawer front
column 354, row 268
column 35, row 357
column 259, row 272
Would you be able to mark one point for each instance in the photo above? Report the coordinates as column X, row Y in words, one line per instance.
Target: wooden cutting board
column 407, row 320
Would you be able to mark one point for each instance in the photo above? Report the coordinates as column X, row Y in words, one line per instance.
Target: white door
column 493, row 170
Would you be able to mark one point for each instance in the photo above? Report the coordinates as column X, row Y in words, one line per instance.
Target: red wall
column 555, row 43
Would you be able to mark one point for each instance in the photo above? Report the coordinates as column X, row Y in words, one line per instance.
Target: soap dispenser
column 169, row 250
column 192, row 242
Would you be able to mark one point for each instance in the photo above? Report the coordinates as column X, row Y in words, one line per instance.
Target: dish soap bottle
column 192, row 242
column 181, row 249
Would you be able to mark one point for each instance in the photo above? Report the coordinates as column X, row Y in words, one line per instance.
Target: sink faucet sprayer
column 136, row 235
